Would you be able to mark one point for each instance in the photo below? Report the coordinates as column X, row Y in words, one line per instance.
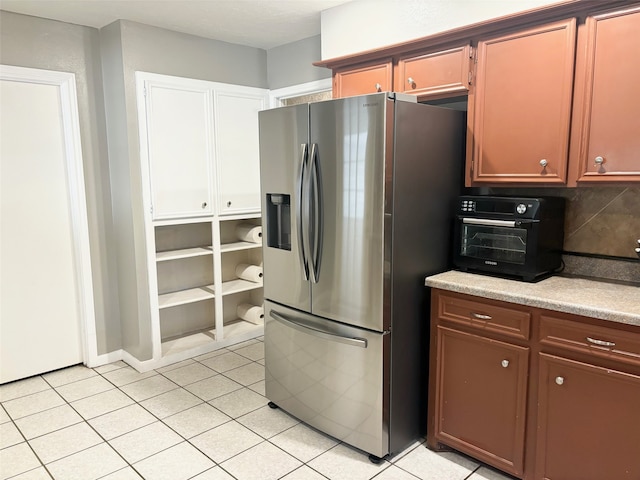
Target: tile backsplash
column 598, row 220
column 602, row 221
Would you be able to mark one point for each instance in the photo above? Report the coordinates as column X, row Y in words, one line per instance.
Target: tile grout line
column 203, row 401
column 587, row 221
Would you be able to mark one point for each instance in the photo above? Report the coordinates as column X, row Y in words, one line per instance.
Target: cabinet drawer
column 435, row 74
column 371, row 78
column 603, row 342
column 485, row 316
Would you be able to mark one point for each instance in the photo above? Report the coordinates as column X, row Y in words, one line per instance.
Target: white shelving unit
column 198, row 289
column 200, row 170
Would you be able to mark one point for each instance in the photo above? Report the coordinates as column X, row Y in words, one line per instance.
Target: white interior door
column 43, row 294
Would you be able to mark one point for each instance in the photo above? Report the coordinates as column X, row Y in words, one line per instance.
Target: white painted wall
column 368, row 24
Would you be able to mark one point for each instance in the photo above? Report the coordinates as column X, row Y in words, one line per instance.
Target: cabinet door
column 481, row 389
column 437, row 74
column 609, row 122
column 371, row 78
column 588, row 422
column 179, row 148
column 237, row 149
column 522, row 105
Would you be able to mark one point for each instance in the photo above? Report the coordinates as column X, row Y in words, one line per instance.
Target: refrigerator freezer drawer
column 329, row 375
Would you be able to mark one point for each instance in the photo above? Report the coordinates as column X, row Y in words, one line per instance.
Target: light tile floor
column 203, row 419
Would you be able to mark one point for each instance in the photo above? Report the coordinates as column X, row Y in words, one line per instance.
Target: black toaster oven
column 511, row 236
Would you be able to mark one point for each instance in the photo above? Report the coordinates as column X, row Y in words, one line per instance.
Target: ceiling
column 256, row 23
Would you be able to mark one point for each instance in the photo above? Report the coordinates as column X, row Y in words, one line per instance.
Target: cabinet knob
column 228, row 203
column 378, row 87
column 204, row 204
column 410, row 81
column 599, row 160
column 544, row 163
column 559, row 380
column 504, row 363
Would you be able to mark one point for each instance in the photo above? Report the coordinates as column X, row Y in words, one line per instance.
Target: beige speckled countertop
column 606, row 301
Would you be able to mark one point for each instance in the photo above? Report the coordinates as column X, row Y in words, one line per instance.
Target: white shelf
column 239, row 216
column 184, row 253
column 240, row 327
column 238, row 285
column 188, row 343
column 232, row 247
column 185, row 296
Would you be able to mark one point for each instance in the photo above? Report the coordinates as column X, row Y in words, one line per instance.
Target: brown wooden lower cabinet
column 538, row 394
column 589, row 422
column 482, row 387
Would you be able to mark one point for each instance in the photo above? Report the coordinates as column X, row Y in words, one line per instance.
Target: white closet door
column 238, row 150
column 179, row 149
column 41, row 308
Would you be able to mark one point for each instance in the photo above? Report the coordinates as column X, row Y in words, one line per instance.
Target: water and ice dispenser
column 279, row 221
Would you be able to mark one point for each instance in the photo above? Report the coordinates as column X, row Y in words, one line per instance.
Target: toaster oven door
column 494, row 240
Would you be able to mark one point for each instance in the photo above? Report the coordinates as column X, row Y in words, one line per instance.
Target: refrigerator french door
column 357, row 202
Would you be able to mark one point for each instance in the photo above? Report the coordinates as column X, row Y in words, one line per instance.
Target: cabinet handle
column 505, row 363
column 559, row 380
column 599, row 160
column 410, row 81
column 228, row 204
column 544, row 163
column 602, row 343
column 480, row 316
column 204, row 204
column 378, row 87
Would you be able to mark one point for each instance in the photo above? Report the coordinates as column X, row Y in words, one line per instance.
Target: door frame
column 277, row 96
column 66, row 83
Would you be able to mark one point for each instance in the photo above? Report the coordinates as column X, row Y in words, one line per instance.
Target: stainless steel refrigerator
column 357, row 202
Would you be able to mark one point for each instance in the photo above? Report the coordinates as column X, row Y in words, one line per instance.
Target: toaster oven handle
column 489, row 222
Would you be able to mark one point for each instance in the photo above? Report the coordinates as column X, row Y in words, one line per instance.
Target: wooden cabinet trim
column 502, row 319
column 474, row 31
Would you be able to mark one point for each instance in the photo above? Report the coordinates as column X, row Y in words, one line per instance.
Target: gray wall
column 128, row 47
column 292, row 64
column 38, row 43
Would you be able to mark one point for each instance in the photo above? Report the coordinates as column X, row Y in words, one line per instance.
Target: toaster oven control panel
column 499, row 207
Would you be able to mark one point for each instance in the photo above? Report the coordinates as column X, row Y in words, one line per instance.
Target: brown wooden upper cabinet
column 363, row 79
column 438, row 74
column 606, row 136
column 519, row 114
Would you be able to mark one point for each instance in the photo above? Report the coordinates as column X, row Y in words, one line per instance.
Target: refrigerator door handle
column 317, row 214
column 304, row 150
column 353, row 341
